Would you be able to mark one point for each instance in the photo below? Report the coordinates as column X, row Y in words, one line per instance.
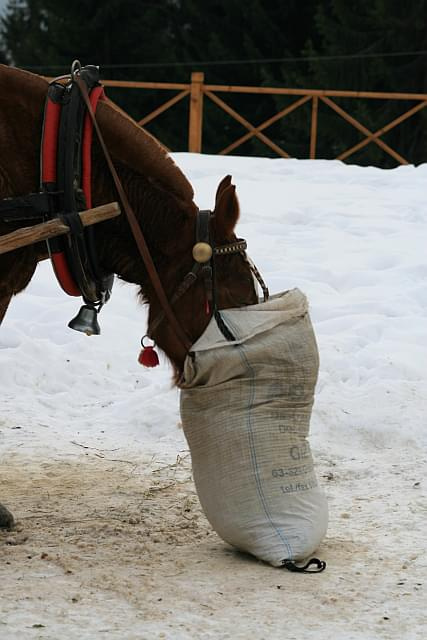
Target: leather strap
column 134, row 225
column 203, row 235
column 34, row 206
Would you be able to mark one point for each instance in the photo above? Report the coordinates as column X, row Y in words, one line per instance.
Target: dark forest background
column 369, row 45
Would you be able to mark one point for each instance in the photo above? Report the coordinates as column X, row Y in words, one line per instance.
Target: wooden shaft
column 56, row 227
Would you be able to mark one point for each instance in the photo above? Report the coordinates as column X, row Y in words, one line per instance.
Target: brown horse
column 159, row 193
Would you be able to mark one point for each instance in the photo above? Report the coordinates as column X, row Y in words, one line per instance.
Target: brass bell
column 86, row 321
column 202, row 252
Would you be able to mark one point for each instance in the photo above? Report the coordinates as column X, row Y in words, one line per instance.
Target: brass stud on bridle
column 202, row 252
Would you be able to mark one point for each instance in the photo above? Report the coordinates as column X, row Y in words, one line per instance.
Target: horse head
column 233, row 283
column 161, row 197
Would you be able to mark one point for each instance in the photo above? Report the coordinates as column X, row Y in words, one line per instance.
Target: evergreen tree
column 371, row 28
column 227, row 30
column 53, row 32
column 42, row 33
column 45, row 36
column 180, row 36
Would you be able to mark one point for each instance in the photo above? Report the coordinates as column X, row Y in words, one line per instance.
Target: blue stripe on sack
column 249, row 424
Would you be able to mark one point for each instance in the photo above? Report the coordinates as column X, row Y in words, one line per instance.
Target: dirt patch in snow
column 107, row 547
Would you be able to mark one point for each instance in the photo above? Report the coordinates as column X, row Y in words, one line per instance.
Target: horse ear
column 226, row 213
column 225, row 182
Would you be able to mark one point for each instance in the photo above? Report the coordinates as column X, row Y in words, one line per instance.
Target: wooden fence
column 196, row 91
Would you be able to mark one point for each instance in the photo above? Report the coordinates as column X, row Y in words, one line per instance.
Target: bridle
column 203, row 268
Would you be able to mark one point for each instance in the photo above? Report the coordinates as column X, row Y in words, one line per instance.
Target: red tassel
column 148, row 357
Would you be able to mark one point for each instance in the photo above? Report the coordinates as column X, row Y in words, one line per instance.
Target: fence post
column 313, row 134
column 196, row 112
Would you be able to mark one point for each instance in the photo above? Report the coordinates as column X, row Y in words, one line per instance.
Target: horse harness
column 66, row 189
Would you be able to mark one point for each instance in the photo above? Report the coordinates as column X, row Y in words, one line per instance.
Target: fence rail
column 197, row 91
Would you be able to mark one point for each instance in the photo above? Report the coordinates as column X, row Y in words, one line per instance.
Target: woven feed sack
column 245, row 409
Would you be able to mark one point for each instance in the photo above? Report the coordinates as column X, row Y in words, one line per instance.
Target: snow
column 93, row 460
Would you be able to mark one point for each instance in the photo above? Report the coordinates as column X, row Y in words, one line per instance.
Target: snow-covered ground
column 111, row 541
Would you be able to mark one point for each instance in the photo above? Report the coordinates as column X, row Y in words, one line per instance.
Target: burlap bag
column 245, row 409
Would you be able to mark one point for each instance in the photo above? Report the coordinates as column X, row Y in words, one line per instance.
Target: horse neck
column 166, row 222
column 20, row 132
column 20, row 148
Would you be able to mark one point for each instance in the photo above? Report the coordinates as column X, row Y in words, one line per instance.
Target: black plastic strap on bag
column 319, row 565
column 223, row 327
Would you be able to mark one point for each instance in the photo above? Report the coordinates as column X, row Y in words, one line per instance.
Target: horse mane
column 140, row 151
column 125, row 139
